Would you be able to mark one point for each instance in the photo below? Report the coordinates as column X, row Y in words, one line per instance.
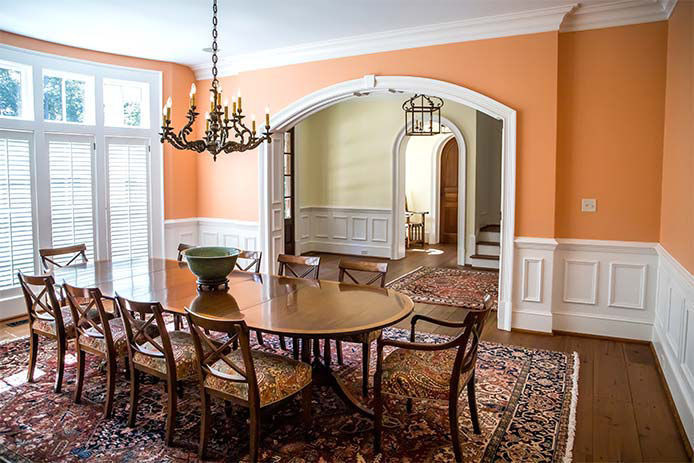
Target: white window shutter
column 72, row 192
column 16, row 222
column 128, row 181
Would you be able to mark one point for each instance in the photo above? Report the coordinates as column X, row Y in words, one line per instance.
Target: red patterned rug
column 458, row 287
column 526, row 401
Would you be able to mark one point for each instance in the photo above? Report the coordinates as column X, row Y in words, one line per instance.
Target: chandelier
column 225, row 131
column 423, row 115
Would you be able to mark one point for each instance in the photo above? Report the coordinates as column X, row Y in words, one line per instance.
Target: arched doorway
column 271, row 165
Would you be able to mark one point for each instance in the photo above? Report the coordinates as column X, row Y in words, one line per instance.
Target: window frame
column 26, row 90
column 146, row 110
column 38, row 129
column 89, row 99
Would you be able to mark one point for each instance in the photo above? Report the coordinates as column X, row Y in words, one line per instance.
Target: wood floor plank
column 583, row 441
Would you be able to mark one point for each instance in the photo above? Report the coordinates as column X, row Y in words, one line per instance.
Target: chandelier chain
column 214, row 44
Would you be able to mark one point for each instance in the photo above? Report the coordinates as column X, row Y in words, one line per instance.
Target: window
column 72, row 210
column 15, row 91
column 16, row 222
column 68, row 97
column 126, row 103
column 128, row 197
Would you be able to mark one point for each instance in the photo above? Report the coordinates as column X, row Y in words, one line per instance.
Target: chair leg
column 228, row 409
column 283, row 344
column 204, row 424
column 365, row 357
column 79, row 382
column 171, row 412
column 33, row 353
column 177, row 322
column 472, row 402
column 338, row 348
column 110, row 385
column 134, row 396
column 327, row 355
column 453, row 422
column 253, row 451
column 61, row 365
column 378, row 413
column 295, row 348
column 408, row 405
column 306, row 396
column 316, row 349
column 259, row 335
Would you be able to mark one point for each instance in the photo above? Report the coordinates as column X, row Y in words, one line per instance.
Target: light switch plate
column 588, row 205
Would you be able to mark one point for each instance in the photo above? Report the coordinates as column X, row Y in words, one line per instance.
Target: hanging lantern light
column 422, row 115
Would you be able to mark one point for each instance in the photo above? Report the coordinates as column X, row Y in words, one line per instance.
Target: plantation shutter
column 128, row 167
column 72, row 193
column 16, row 222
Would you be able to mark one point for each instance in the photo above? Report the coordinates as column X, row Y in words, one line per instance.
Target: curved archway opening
column 271, row 163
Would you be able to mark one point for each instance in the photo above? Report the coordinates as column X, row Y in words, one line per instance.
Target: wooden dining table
column 299, row 308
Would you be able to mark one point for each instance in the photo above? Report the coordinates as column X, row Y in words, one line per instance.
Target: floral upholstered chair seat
column 420, row 374
column 47, row 324
column 278, row 376
column 363, row 338
column 183, row 353
column 120, row 339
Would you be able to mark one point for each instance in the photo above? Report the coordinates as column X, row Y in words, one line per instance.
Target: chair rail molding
column 270, row 168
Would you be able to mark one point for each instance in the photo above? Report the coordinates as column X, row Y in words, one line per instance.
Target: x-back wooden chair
column 49, row 256
column 432, row 371
column 46, row 319
column 251, row 261
column 103, row 337
column 360, row 273
column 182, row 247
column 298, row 267
column 168, row 356
column 243, row 376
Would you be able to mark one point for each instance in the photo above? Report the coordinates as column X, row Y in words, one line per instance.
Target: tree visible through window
column 10, row 92
column 64, row 99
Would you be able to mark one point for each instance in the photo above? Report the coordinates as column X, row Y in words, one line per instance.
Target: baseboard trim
column 601, row 337
column 639, row 330
column 345, row 248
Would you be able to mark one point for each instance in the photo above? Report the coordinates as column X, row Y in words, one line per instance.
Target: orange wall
column 180, row 168
column 520, row 72
column 610, row 132
column 677, row 212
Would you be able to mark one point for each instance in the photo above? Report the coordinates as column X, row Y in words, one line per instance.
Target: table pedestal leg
column 325, row 376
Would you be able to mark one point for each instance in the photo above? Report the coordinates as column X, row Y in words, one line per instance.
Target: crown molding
column 564, row 18
column 504, row 25
column 617, row 13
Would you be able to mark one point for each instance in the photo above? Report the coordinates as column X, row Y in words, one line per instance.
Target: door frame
column 434, row 234
column 269, row 186
column 398, row 200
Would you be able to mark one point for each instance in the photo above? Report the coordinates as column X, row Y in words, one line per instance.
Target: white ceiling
column 177, row 30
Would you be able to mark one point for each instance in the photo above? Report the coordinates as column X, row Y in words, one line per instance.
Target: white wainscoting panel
column 204, row 231
column 533, row 284
column 581, row 281
column 355, row 231
column 673, row 334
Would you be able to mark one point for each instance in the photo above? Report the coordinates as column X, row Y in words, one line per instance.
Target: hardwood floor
column 623, row 411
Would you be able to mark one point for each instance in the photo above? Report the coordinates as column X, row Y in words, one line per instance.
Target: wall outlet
column 588, row 205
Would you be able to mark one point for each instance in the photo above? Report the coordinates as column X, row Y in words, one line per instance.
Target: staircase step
column 488, row 243
column 484, row 256
column 489, row 236
column 488, row 249
column 491, row 228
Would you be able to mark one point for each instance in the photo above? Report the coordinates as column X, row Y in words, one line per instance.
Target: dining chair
column 360, row 273
column 250, row 378
column 104, row 338
column 252, row 261
column 46, row 319
column 49, row 256
column 429, row 371
column 298, row 267
column 178, row 319
column 170, row 356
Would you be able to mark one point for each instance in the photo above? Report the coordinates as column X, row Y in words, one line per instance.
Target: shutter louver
column 128, row 199
column 72, row 212
column 16, row 222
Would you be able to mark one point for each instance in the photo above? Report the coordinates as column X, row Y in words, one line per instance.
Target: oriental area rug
column 526, row 402
column 458, row 287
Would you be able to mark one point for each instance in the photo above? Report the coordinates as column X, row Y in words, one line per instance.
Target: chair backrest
column 49, row 255
column 468, row 341
column 376, row 271
column 252, row 259
column 209, row 350
column 299, row 266
column 82, row 302
column 41, row 301
column 182, row 247
column 137, row 332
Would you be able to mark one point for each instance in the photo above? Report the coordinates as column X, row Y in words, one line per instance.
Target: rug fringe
column 568, row 455
column 403, row 276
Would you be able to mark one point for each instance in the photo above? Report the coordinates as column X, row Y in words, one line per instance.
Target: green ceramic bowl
column 211, row 264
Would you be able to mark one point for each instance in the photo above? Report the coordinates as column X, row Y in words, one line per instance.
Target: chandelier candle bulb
column 253, row 123
column 238, row 97
column 226, row 109
column 207, row 122
column 233, row 108
column 192, row 94
column 267, row 116
column 212, row 102
column 168, row 109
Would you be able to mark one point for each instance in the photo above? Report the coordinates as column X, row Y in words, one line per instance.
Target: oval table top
column 270, row 303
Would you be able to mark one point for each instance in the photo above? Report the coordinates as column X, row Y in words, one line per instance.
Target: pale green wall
column 345, row 152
